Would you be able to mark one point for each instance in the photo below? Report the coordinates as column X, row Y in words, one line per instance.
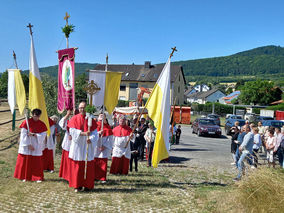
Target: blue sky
column 133, row 31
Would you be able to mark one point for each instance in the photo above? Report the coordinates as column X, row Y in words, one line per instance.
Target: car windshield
column 267, row 118
column 236, row 117
column 206, row 122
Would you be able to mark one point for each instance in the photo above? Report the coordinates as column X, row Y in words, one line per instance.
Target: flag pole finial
column 30, row 26
column 174, row 49
column 106, row 62
column 15, row 59
column 66, row 17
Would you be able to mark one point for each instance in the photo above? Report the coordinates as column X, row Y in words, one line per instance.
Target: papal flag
column 106, row 87
column 16, row 90
column 158, row 106
column 36, row 96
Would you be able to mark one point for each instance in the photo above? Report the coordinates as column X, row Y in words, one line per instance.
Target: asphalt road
column 202, row 151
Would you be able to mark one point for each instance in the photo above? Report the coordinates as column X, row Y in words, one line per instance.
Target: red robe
column 101, row 162
column 29, row 167
column 77, row 168
column 47, row 155
column 120, row 165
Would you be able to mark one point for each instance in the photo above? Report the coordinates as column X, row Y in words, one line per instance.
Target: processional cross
column 174, row 50
column 66, row 17
column 30, row 26
column 92, row 89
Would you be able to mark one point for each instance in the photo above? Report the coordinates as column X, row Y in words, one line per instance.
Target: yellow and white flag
column 107, row 85
column 36, row 96
column 158, row 106
column 16, row 90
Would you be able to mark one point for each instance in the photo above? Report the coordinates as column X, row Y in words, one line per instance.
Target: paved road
column 202, row 151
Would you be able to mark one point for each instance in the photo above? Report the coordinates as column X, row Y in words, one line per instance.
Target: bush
column 219, row 108
column 122, row 103
column 276, row 107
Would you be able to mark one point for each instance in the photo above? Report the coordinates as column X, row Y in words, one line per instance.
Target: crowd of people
column 87, row 145
column 250, row 139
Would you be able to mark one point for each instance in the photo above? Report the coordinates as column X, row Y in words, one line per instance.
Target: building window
column 122, row 88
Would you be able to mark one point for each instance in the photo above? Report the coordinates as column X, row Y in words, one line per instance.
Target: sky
column 133, row 31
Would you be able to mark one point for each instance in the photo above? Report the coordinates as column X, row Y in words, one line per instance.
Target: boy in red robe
column 121, row 154
column 103, row 149
column 29, row 165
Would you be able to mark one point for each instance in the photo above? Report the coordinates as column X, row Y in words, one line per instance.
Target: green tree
column 50, row 95
column 259, row 92
column 80, row 85
column 4, row 85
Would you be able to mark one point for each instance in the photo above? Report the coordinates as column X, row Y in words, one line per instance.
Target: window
column 122, row 88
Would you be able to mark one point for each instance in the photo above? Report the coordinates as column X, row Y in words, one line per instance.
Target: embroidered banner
column 66, row 77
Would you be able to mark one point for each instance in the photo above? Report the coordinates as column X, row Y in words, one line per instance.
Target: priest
column 47, row 154
column 103, row 148
column 121, row 148
column 29, row 165
column 64, row 170
column 84, row 139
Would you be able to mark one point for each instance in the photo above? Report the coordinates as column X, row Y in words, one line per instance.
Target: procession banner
column 158, row 106
column 36, row 95
column 107, row 85
column 66, row 77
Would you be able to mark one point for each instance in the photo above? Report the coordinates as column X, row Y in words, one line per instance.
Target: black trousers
column 141, row 150
column 177, row 139
column 134, row 156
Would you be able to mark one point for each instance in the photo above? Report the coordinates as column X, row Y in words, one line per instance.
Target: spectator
column 261, row 131
column 239, row 141
column 178, row 133
column 150, row 139
column 277, row 149
column 134, row 147
column 235, row 132
column 245, row 148
column 141, row 132
column 256, row 145
column 270, row 144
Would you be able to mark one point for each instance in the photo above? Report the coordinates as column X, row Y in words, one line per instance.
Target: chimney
column 147, row 64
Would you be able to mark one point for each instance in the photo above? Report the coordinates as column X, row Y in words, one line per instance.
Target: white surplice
column 66, row 143
column 119, row 147
column 107, row 142
column 37, row 142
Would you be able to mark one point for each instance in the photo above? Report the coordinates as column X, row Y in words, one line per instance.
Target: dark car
column 206, row 126
column 215, row 117
column 274, row 123
column 263, row 118
column 230, row 123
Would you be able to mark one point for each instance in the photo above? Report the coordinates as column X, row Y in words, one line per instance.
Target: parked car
column 215, row 117
column 231, row 116
column 231, row 122
column 274, row 123
column 250, row 116
column 263, row 118
column 206, row 126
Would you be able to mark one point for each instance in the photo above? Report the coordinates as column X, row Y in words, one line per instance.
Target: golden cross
column 30, row 26
column 67, row 16
column 174, row 49
column 92, row 89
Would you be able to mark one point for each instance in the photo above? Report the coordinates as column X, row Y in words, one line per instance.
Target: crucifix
column 174, row 49
column 30, row 26
column 67, row 16
column 92, row 89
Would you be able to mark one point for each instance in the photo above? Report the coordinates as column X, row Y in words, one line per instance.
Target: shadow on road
column 190, row 150
column 175, row 159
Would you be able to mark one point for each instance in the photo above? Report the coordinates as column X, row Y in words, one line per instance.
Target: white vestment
column 119, row 147
column 66, row 143
column 107, row 142
column 50, row 145
column 78, row 148
column 37, row 142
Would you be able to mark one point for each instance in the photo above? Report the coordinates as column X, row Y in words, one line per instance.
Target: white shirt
column 278, row 141
column 119, row 147
column 36, row 142
column 107, row 142
column 78, row 148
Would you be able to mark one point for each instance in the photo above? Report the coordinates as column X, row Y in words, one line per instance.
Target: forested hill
column 263, row 60
column 52, row 71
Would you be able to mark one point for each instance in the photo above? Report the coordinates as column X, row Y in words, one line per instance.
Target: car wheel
column 198, row 133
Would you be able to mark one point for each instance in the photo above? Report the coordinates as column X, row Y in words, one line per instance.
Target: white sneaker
column 233, row 163
column 51, row 171
column 103, row 181
column 24, row 180
column 39, row 181
column 252, row 167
